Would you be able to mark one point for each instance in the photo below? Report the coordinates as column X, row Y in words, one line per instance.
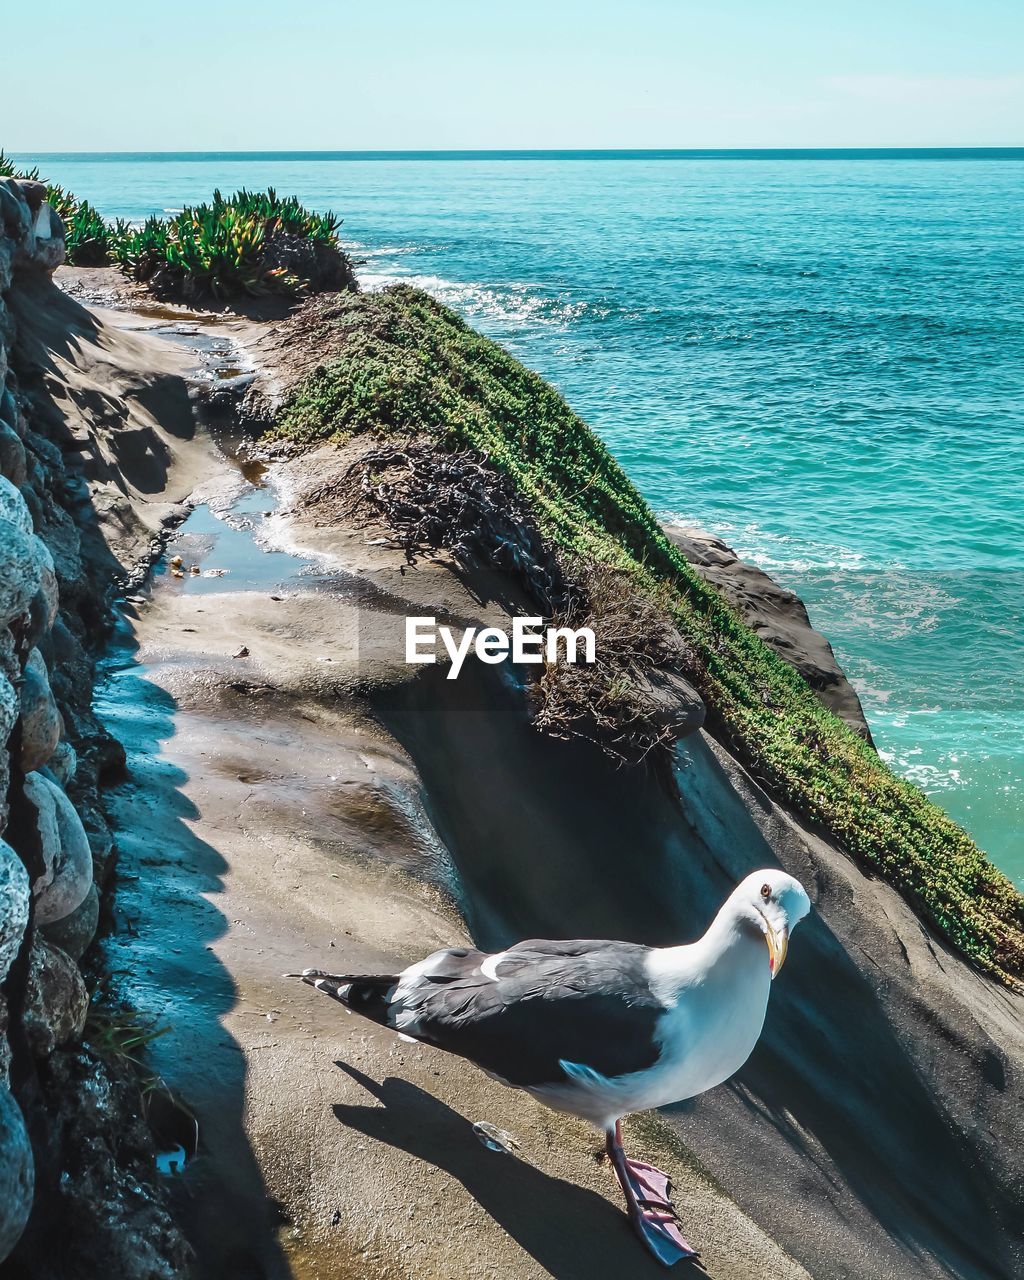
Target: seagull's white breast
column 715, row 1010
column 711, row 1027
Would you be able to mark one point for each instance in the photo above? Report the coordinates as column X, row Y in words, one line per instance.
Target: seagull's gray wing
column 536, row 1006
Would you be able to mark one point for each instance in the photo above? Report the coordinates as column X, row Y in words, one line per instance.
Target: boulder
column 5, row 1046
column 48, row 594
column 12, row 506
column 9, row 410
column 14, row 899
column 63, row 764
column 9, row 663
column 20, row 571
column 49, row 233
column 67, row 859
column 56, row 999
column 17, row 1180
column 76, row 931
column 39, row 794
column 33, row 193
column 9, row 708
column 15, row 216
column 13, row 466
column 41, row 722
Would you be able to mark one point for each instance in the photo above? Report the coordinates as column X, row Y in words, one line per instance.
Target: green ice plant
column 406, row 364
column 224, row 247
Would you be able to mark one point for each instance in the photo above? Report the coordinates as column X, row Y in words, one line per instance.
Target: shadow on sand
column 570, row 1231
column 161, row 958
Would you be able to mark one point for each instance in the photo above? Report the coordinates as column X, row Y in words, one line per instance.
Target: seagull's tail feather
column 365, row 993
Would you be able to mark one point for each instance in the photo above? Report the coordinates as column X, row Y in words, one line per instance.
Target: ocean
column 818, row 356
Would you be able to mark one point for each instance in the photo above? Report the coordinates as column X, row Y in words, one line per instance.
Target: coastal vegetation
column 252, row 243
column 400, row 366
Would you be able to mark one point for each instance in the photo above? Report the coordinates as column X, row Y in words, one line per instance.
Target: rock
column 778, row 616
column 33, row 193
column 12, row 506
column 9, row 708
column 41, row 723
column 327, row 269
column 14, row 213
column 76, row 931
column 14, row 900
column 44, row 227
column 56, row 999
column 12, row 455
column 67, row 859
column 5, row 1047
column 115, row 1212
column 20, row 571
column 9, row 409
column 677, row 704
column 49, row 593
column 63, row 763
column 39, row 794
column 17, row 1180
column 9, row 663
column 49, row 233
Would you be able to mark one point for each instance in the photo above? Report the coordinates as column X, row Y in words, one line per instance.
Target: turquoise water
column 821, row 359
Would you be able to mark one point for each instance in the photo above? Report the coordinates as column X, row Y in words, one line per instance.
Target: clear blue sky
column 406, row 74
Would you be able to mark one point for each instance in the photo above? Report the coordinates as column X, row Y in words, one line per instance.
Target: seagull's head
column 775, row 903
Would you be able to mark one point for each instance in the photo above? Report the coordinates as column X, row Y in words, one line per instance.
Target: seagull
column 601, row 1029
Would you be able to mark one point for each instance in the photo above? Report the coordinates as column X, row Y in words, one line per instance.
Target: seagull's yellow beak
column 778, row 945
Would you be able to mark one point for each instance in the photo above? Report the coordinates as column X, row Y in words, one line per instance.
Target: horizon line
column 581, row 153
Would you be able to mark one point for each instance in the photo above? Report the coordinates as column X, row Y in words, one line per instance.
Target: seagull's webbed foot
column 648, row 1204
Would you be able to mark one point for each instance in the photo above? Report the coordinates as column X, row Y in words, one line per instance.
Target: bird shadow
column 572, row 1232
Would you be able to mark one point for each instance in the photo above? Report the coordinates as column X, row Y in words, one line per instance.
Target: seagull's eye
column 766, row 891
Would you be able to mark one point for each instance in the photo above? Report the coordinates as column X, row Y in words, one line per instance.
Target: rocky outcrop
column 779, row 617
column 31, row 242
column 56, row 569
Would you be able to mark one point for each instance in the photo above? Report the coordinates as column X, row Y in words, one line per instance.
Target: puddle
column 224, row 543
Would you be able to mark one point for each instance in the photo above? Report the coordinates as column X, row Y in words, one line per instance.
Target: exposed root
column 625, row 699
column 432, row 499
column 459, row 501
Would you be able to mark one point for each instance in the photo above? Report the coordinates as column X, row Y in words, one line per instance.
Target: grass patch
column 405, row 364
column 121, row 1037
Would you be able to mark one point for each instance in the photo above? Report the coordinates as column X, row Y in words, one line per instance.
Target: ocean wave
column 369, row 252
column 515, row 305
column 933, row 779
column 778, row 552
